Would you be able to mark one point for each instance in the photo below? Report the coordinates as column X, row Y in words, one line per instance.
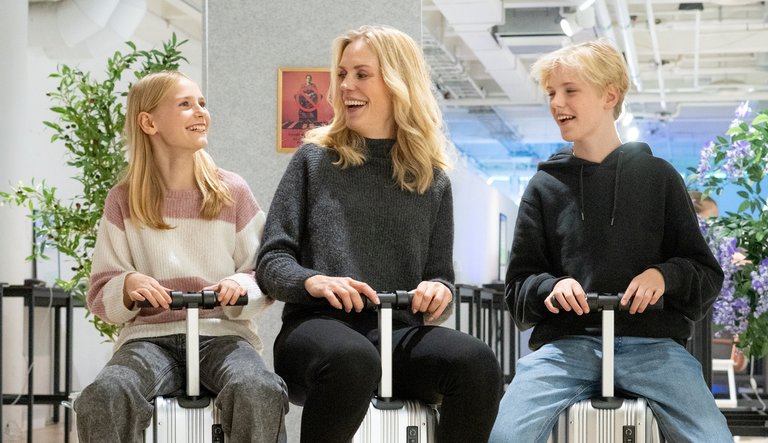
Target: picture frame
column 302, row 104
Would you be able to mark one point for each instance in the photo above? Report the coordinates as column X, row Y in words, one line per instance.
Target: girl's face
column 367, row 99
column 180, row 122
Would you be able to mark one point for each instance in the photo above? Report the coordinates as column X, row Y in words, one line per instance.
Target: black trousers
column 331, row 365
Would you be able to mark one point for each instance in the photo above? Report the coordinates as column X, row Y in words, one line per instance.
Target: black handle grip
column 395, row 300
column 203, row 300
column 597, row 301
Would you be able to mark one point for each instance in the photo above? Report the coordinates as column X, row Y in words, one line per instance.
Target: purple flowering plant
column 739, row 240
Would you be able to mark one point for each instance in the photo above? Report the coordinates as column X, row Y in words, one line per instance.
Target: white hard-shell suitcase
column 390, row 420
column 608, row 419
column 192, row 418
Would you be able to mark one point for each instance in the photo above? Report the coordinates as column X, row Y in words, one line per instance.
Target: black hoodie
column 603, row 224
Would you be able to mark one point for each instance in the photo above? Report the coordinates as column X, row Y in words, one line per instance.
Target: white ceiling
column 691, row 65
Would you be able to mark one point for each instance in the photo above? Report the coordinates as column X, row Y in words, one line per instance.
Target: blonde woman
column 177, row 222
column 364, row 206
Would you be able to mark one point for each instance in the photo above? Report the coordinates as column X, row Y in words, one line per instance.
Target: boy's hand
column 647, row 288
column 569, row 293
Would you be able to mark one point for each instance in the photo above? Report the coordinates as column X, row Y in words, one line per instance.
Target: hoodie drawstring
column 581, row 191
column 615, row 188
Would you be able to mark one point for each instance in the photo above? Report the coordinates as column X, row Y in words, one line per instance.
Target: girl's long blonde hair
column 146, row 190
column 420, row 143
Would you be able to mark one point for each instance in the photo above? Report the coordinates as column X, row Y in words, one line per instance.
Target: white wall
column 477, row 206
column 34, row 156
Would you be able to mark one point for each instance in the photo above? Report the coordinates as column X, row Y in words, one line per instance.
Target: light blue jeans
column 568, row 370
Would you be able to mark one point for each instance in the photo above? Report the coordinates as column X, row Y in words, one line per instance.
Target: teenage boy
column 606, row 217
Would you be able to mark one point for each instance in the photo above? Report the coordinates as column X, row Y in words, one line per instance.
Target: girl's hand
column 228, row 291
column 431, row 298
column 140, row 287
column 341, row 292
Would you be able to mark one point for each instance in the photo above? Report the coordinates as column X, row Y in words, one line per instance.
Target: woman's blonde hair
column 146, row 190
column 598, row 62
column 419, row 142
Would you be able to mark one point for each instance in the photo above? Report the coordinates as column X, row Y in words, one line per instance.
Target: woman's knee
column 355, row 363
column 476, row 360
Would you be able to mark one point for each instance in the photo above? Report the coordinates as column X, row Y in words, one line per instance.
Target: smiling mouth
column 197, row 128
column 564, row 118
column 354, row 104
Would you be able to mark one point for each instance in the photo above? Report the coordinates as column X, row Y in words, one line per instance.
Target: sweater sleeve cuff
column 667, row 270
column 115, row 309
column 448, row 309
column 257, row 302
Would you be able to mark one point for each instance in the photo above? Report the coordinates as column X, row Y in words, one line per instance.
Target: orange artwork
column 302, row 104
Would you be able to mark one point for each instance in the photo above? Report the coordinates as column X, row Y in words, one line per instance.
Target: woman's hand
column 570, row 295
column 228, row 291
column 431, row 298
column 140, row 287
column 341, row 292
column 647, row 288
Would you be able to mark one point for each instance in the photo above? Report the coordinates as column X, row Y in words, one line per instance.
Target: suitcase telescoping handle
column 599, row 301
column 608, row 303
column 193, row 302
column 389, row 302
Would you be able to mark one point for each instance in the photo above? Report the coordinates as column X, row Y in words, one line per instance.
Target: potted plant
column 739, row 239
column 90, row 120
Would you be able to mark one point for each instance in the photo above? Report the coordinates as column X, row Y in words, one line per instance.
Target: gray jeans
column 116, row 406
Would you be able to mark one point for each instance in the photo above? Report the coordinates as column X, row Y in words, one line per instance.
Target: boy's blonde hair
column 420, row 143
column 145, row 186
column 598, row 62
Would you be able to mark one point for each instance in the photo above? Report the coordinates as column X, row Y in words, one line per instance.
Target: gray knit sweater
column 354, row 222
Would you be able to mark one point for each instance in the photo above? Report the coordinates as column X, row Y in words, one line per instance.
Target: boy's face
column 578, row 107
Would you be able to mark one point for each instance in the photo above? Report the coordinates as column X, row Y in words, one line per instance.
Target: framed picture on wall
column 302, row 104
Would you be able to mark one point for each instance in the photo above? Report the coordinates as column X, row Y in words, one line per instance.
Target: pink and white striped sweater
column 195, row 254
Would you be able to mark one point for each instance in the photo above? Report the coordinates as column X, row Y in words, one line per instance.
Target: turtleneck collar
column 379, row 147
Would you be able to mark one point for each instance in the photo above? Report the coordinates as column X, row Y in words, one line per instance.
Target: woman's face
column 367, row 100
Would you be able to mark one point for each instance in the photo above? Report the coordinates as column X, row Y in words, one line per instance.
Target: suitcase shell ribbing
column 388, row 420
column 194, row 418
column 607, row 419
column 174, row 423
column 633, row 422
column 413, row 423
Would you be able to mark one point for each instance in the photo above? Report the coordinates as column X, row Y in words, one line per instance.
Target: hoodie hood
column 565, row 161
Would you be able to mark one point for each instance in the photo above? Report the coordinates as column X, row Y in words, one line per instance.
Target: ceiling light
column 573, row 20
column 565, row 25
column 586, row 4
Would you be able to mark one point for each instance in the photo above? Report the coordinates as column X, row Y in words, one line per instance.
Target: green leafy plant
column 90, row 120
column 739, row 239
